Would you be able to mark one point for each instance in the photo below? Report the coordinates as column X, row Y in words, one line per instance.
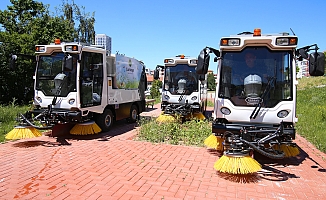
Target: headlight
column 225, row 111
column 194, row 98
column 166, row 97
column 282, row 113
column 71, row 101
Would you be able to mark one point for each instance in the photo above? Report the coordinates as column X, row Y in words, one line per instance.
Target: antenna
column 292, row 31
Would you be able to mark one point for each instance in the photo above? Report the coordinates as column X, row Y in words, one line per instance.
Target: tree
column 78, row 18
column 211, row 84
column 23, row 25
column 155, row 89
column 17, row 36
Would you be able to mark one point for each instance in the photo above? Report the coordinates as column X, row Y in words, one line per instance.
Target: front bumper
column 260, row 130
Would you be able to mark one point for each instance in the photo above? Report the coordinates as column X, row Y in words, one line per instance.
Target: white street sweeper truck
column 80, row 88
column 184, row 92
column 255, row 100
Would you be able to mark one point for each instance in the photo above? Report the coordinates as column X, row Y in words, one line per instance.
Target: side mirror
column 156, row 74
column 317, row 64
column 303, row 53
column 157, row 71
column 13, row 59
column 203, row 61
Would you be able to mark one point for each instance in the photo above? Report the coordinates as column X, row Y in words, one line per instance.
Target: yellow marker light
column 257, row 32
column 224, row 42
column 293, row 41
column 57, row 41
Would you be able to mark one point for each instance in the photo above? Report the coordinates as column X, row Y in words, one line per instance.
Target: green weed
column 189, row 133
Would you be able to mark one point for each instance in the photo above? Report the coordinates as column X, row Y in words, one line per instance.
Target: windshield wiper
column 262, row 98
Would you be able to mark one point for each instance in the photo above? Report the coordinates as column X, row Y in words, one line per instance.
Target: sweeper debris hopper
column 255, row 97
column 184, row 92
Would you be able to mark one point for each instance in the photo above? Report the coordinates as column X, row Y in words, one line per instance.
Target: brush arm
column 31, row 124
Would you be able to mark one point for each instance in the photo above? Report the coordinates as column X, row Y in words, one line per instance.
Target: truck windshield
column 256, row 75
column 56, row 74
column 180, row 79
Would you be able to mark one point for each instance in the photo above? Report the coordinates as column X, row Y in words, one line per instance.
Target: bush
column 155, row 89
column 8, row 115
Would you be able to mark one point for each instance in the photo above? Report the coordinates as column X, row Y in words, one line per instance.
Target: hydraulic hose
column 269, row 155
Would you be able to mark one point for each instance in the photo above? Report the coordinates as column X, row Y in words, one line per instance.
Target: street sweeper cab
column 78, row 87
column 184, row 92
column 255, row 100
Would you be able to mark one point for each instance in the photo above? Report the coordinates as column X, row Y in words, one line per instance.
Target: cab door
column 91, row 79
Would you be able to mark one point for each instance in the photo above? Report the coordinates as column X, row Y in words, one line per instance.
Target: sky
column 152, row 30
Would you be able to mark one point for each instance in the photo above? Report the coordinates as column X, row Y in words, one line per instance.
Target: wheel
column 133, row 114
column 105, row 120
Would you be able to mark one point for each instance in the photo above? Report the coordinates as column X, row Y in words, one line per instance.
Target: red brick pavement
column 111, row 166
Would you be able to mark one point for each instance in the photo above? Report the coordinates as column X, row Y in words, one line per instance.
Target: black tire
column 134, row 114
column 105, row 120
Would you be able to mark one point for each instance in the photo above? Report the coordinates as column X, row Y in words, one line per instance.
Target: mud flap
column 61, row 129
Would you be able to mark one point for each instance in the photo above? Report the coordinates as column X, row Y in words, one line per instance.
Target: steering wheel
column 237, row 79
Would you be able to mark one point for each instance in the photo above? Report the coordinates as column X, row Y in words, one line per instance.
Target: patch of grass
column 8, row 115
column 210, row 103
column 189, row 133
column 311, row 110
column 311, row 82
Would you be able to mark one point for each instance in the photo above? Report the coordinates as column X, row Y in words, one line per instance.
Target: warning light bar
column 181, row 56
column 257, row 32
column 57, row 41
